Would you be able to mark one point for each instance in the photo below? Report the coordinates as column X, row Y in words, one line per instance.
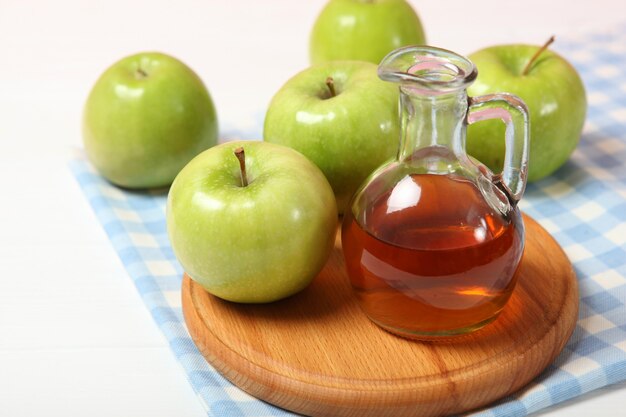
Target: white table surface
column 75, row 338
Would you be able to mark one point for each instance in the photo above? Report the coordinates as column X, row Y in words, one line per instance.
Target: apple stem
column 142, row 73
column 241, row 156
column 534, row 58
column 330, row 83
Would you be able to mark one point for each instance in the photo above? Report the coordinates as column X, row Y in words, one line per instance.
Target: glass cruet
column 433, row 239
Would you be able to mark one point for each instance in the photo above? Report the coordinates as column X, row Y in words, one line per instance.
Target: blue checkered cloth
column 583, row 206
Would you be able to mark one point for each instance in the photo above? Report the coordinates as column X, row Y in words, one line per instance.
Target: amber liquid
column 434, row 259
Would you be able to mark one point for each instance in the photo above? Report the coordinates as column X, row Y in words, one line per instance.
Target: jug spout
column 428, row 69
column 433, row 100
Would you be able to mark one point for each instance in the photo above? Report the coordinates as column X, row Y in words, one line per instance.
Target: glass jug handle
column 514, row 113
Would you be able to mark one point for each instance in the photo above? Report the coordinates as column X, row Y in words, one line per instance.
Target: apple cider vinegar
column 433, row 239
column 444, row 265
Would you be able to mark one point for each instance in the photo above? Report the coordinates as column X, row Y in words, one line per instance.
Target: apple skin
column 145, row 118
column 554, row 94
column 363, row 30
column 347, row 136
column 257, row 243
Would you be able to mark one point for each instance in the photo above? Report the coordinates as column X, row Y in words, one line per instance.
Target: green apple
column 145, row 118
column 251, row 222
column 554, row 94
column 365, row 30
column 342, row 117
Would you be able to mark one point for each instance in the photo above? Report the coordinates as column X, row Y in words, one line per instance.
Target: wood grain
column 317, row 354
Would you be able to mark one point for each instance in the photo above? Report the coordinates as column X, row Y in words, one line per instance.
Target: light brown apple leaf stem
column 534, row 58
column 241, row 156
column 330, row 83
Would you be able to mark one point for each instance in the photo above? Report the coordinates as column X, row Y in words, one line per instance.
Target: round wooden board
column 317, row 354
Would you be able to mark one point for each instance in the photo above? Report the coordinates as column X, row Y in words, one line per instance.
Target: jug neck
column 432, row 120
